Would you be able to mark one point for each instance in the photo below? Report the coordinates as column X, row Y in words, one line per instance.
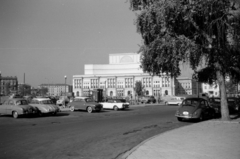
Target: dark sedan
column 195, row 108
column 85, row 103
column 233, row 104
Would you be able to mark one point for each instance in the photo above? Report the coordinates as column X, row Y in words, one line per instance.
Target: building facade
column 211, row 90
column 118, row 78
column 57, row 89
column 187, row 86
column 8, row 85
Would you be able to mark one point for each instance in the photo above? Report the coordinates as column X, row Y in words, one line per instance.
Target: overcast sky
column 48, row 39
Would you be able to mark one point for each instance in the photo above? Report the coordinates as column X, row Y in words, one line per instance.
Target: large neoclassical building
column 118, row 78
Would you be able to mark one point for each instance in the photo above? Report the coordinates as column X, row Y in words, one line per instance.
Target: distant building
column 187, row 86
column 57, row 89
column 211, row 90
column 8, row 85
column 118, row 78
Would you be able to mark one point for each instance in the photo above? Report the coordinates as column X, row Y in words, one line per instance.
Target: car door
column 110, row 104
column 203, row 108
column 3, row 108
column 9, row 107
column 207, row 109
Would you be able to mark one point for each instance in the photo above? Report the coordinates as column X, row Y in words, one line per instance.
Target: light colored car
column 63, row 100
column 45, row 106
column 16, row 107
column 85, row 103
column 173, row 101
column 115, row 104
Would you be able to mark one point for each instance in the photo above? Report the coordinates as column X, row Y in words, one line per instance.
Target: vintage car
column 173, row 101
column 85, row 103
column 147, row 99
column 215, row 102
column 63, row 100
column 45, row 106
column 16, row 107
column 115, row 104
column 195, row 108
column 233, row 105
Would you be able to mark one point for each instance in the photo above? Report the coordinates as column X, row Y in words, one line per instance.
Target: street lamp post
column 65, row 77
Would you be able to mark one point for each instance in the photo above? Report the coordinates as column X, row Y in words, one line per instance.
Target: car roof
column 15, row 99
column 41, row 99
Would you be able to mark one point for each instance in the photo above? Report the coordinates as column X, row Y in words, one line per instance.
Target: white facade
column 211, row 90
column 118, row 78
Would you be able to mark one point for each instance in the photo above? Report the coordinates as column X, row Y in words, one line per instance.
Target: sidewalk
column 214, row 139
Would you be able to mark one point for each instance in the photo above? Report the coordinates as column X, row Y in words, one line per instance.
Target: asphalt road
column 80, row 135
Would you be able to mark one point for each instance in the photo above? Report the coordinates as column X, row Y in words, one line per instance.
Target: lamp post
column 65, row 77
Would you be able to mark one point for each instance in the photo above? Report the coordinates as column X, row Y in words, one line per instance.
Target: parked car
column 195, row 108
column 147, row 99
column 63, row 100
column 85, row 103
column 215, row 102
column 17, row 107
column 45, row 106
column 233, row 105
column 115, row 104
column 173, row 101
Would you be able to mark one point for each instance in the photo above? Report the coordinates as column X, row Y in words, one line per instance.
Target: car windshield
column 21, row 102
column 230, row 100
column 120, row 100
column 217, row 100
column 89, row 100
column 46, row 102
column 190, row 102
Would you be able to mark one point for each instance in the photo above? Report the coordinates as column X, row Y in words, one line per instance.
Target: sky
column 48, row 39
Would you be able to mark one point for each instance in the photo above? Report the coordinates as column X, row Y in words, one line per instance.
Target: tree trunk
column 224, row 104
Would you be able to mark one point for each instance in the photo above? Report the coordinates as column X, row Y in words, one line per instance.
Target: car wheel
column 179, row 119
column 179, row 104
column 89, row 109
column 166, row 103
column 40, row 113
column 72, row 108
column 15, row 114
column 115, row 108
column 200, row 118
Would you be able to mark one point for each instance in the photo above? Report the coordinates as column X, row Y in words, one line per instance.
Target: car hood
column 190, row 109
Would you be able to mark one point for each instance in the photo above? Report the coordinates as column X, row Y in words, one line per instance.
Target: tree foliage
column 200, row 32
column 139, row 88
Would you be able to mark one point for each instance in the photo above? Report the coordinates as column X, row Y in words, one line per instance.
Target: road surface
column 76, row 135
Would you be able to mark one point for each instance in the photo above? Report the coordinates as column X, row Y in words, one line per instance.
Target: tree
column 139, row 88
column 202, row 33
